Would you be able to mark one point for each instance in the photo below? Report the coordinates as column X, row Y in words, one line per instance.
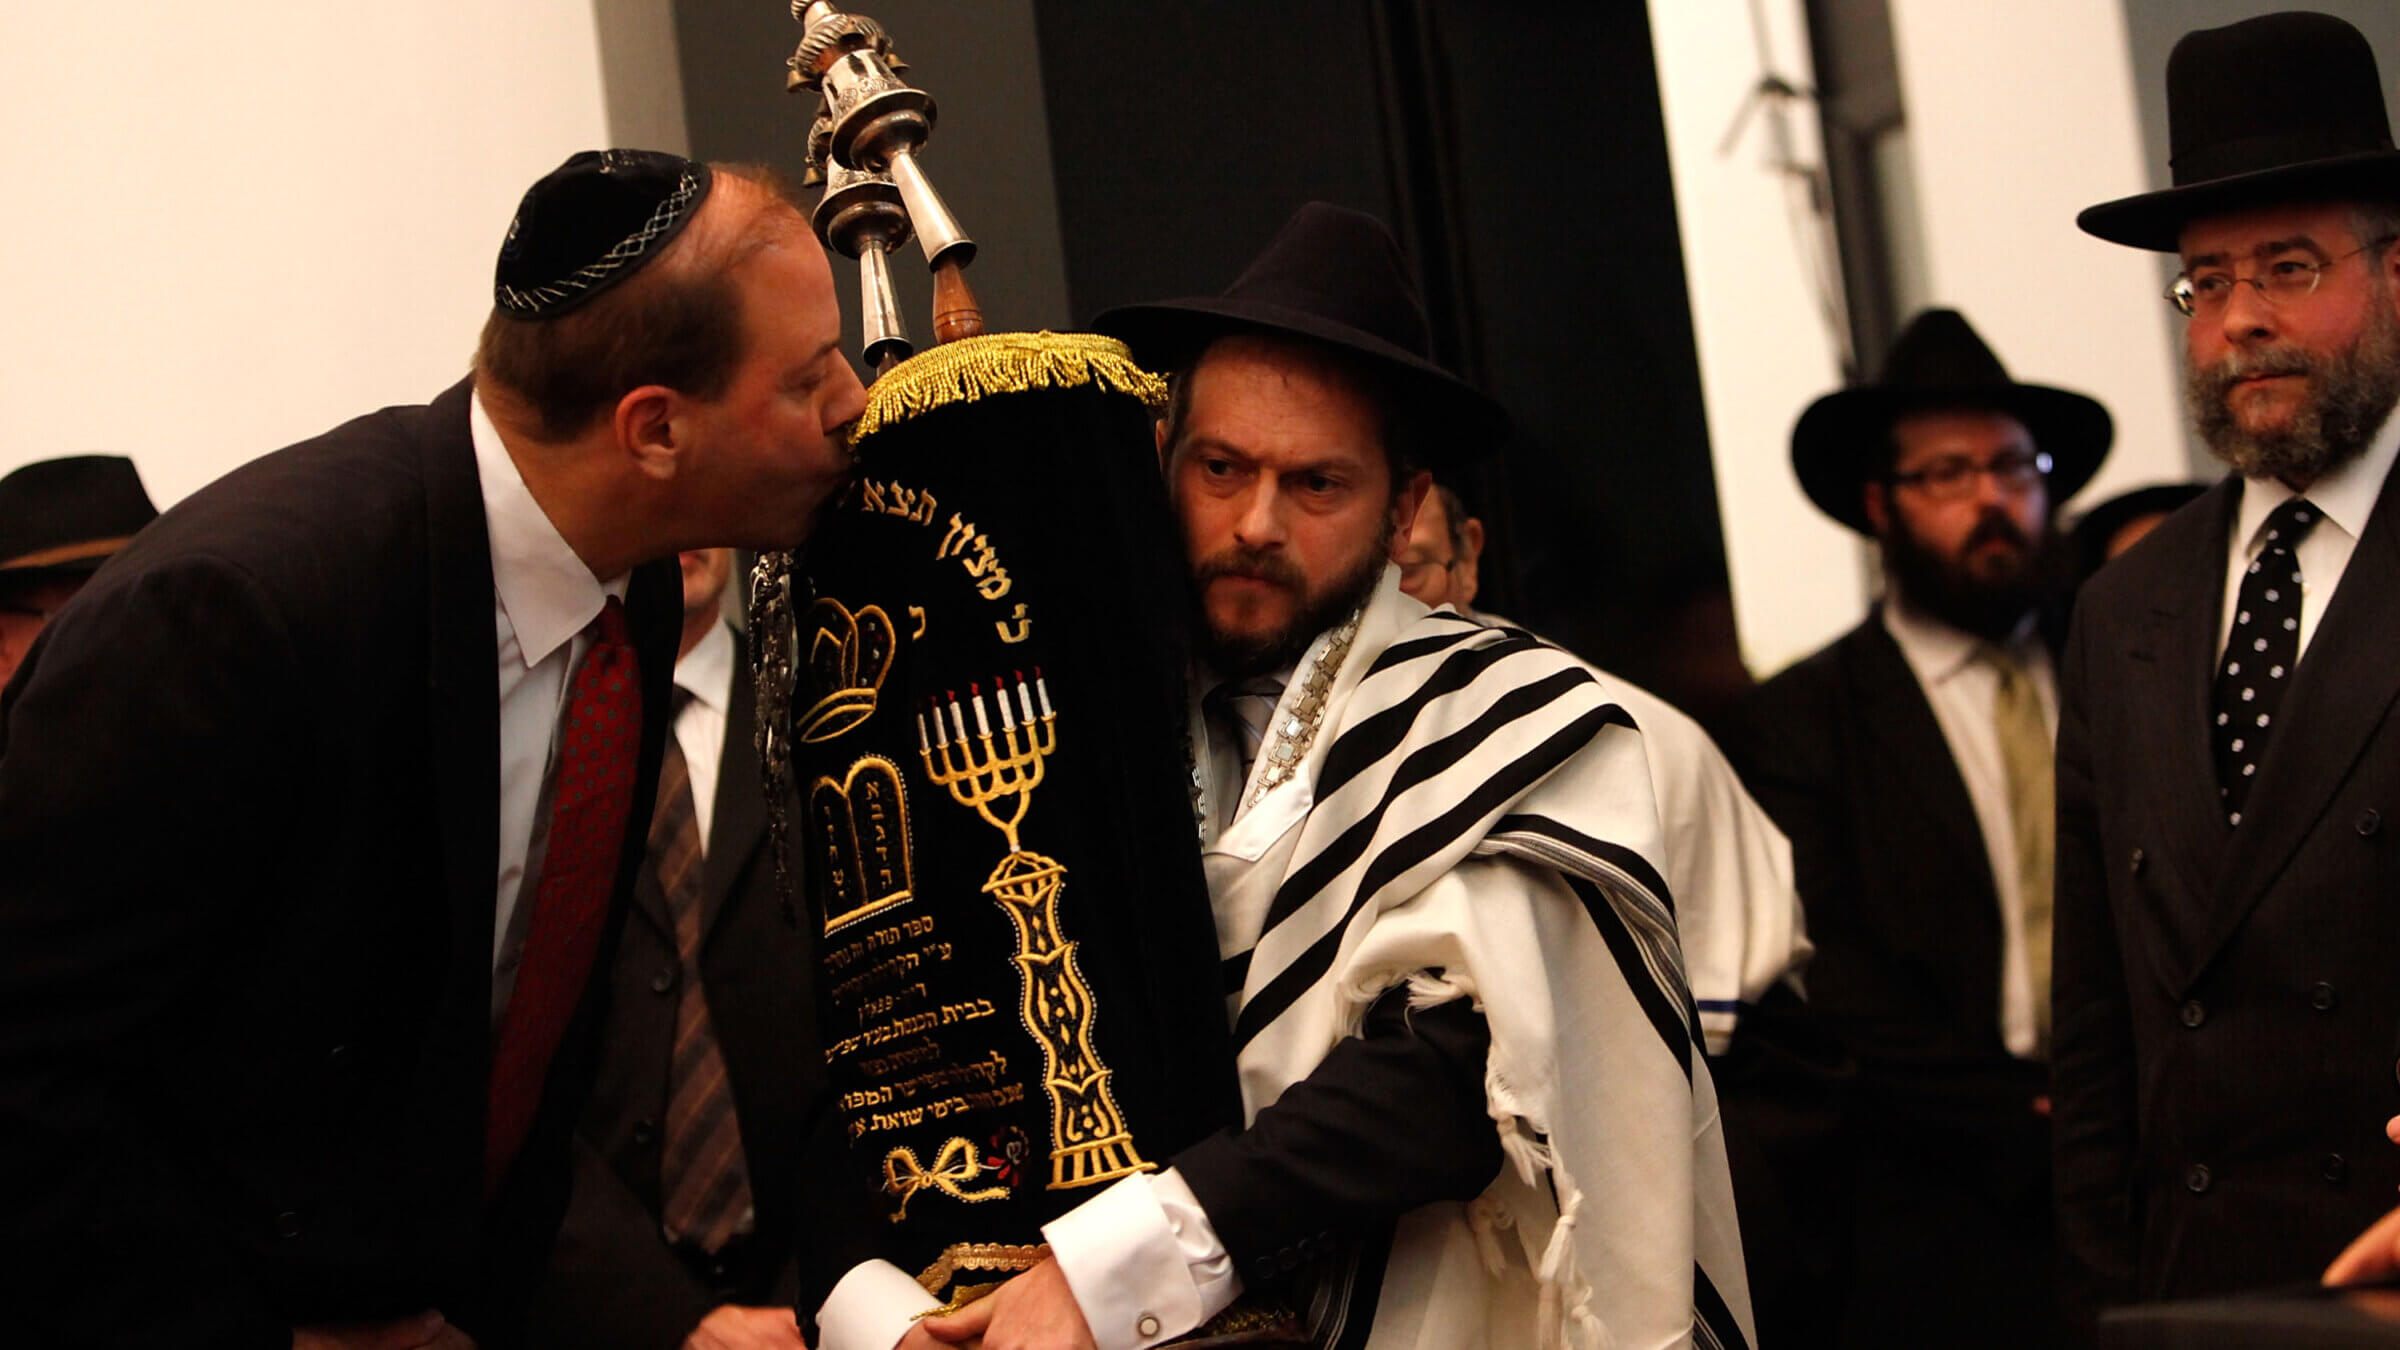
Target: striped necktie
column 1238, row 712
column 704, row 1179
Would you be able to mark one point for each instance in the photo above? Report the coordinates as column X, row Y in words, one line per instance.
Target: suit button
column 287, row 1225
column 2194, row 1014
column 2139, row 861
column 2196, row 1178
column 1147, row 1327
column 2334, row 1169
column 644, row 1132
column 663, row 981
column 2322, row 997
column 2369, row 821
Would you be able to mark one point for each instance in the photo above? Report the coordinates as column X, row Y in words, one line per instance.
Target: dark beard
column 2350, row 394
column 1942, row 589
column 1237, row 657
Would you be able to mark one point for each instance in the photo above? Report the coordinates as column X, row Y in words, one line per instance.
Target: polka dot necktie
column 704, row 1178
column 599, row 746
column 2260, row 655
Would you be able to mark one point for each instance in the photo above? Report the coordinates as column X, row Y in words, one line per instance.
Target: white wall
column 1765, row 350
column 2019, row 116
column 233, row 225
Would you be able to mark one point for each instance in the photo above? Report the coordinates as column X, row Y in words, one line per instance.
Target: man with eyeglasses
column 2229, row 741
column 1909, row 763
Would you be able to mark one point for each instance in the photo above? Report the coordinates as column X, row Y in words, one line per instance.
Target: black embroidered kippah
column 590, row 223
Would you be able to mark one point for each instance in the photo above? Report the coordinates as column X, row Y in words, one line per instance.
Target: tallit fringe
column 1004, row 363
column 1565, row 1315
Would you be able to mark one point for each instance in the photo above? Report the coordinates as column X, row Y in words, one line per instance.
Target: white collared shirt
column 2344, row 498
column 1962, row 690
column 543, row 598
column 706, row 673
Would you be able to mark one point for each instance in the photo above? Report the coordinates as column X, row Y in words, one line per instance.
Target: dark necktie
column 2260, row 654
column 599, row 747
column 1239, row 711
column 702, row 1175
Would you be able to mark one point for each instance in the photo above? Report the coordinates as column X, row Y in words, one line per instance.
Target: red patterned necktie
column 599, row 746
column 703, row 1174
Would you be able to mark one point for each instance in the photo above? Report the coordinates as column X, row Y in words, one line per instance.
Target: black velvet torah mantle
column 1017, row 976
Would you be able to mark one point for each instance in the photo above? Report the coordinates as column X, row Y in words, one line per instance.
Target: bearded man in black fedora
column 1475, row 1106
column 322, row 802
column 2229, row 749
column 1909, row 763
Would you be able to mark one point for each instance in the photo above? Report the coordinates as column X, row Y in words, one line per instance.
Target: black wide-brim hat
column 2280, row 108
column 1334, row 276
column 62, row 518
column 1938, row 363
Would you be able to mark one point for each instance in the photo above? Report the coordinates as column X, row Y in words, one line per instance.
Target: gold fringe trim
column 987, row 1256
column 1004, row 363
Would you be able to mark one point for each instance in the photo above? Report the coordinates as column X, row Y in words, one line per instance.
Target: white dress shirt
column 2344, row 498
column 1962, row 690
column 543, row 598
column 706, row 673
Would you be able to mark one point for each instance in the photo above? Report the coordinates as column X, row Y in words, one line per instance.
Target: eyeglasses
column 1951, row 479
column 2282, row 280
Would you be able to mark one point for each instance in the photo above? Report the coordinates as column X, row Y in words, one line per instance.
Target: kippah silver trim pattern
column 534, row 301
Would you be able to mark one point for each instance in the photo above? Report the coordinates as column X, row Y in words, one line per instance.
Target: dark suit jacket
column 248, row 811
column 1950, row 1197
column 2226, row 1007
column 612, row 1280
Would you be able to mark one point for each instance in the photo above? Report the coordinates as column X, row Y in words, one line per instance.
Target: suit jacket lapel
column 2344, row 687
column 463, row 730
column 1899, row 717
column 741, row 808
column 2171, row 658
column 464, row 714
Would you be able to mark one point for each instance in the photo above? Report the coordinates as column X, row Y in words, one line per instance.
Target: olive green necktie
column 2025, row 752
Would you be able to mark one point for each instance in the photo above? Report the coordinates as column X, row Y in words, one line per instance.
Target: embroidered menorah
column 995, row 777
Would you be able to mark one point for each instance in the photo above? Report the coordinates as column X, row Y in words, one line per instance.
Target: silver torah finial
column 871, row 121
column 860, row 216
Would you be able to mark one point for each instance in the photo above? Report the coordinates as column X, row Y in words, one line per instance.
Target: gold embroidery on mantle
column 863, row 820
column 995, row 778
column 956, row 1166
column 848, row 656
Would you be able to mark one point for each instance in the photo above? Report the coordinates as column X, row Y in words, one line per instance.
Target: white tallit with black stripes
column 1474, row 803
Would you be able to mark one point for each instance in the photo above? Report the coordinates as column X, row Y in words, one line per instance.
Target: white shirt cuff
column 1143, row 1262
column 871, row 1308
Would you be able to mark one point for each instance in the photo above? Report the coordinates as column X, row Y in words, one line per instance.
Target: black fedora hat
column 2283, row 107
column 1938, row 362
column 1335, row 276
column 64, row 517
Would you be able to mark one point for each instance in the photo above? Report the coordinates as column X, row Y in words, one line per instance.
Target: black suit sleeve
column 2092, row 1041
column 1392, row 1119
column 139, row 767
